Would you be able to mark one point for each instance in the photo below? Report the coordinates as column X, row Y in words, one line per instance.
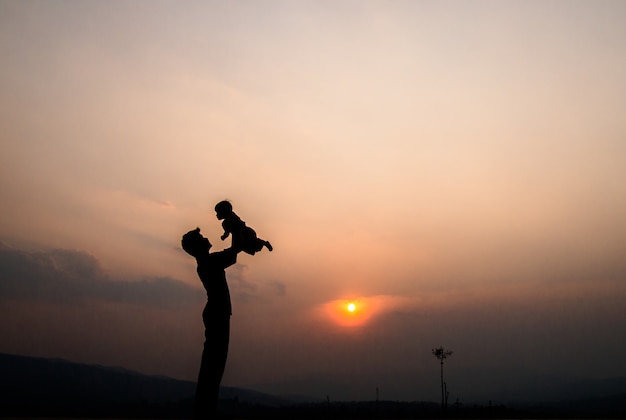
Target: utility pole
column 442, row 354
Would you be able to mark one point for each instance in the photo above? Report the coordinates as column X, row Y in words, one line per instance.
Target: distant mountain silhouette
column 29, row 378
column 39, row 386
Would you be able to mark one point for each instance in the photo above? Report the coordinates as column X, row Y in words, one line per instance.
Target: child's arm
column 227, row 228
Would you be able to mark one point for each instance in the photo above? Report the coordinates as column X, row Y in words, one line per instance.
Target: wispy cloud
column 245, row 289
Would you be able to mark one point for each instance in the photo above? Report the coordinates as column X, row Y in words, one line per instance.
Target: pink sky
column 457, row 167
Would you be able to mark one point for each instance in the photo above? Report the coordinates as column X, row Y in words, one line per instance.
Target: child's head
column 223, row 209
column 194, row 243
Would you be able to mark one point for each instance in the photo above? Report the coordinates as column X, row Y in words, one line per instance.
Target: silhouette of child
column 244, row 237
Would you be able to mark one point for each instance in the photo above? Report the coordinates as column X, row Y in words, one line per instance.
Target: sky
column 455, row 169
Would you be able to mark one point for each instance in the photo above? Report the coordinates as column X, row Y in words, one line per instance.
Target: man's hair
column 190, row 241
column 224, row 206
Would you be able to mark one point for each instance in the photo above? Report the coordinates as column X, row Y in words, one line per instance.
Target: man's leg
column 214, row 354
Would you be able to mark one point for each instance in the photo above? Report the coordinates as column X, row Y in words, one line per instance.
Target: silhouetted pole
column 441, row 354
column 328, row 403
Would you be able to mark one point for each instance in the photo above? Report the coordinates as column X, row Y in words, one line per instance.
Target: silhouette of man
column 216, row 318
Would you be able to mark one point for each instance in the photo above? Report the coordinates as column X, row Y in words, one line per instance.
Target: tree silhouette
column 441, row 354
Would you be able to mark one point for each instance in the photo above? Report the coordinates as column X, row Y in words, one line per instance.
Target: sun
column 354, row 312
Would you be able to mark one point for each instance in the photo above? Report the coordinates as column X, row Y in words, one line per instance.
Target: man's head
column 194, row 243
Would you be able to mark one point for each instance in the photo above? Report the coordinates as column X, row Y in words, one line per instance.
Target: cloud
column 246, row 290
column 66, row 276
column 241, row 288
column 280, row 288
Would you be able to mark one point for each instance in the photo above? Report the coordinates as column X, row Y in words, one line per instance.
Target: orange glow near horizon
column 347, row 312
column 359, row 311
column 350, row 312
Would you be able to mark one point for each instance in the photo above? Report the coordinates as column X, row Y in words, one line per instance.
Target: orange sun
column 348, row 312
column 358, row 311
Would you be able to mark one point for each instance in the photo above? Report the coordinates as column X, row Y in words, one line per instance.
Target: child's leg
column 258, row 244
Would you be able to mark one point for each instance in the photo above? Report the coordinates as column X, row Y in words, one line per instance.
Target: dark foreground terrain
column 38, row 388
